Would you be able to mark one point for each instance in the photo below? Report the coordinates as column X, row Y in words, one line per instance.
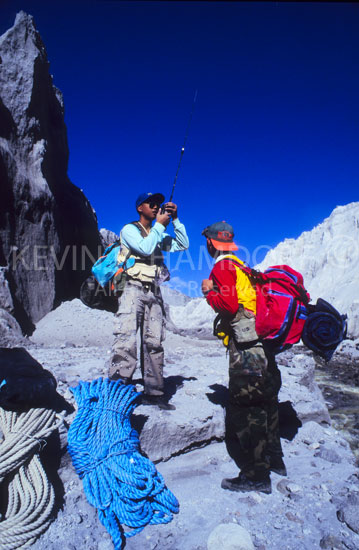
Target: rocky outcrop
column 328, row 258
column 300, row 388
column 48, row 230
column 201, row 419
column 108, row 237
column 10, row 331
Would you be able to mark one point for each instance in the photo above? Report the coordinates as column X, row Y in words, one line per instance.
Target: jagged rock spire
column 45, row 221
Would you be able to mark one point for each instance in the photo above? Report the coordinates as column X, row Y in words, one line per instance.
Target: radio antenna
column 184, row 144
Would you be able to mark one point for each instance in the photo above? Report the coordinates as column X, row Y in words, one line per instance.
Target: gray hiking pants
column 140, row 309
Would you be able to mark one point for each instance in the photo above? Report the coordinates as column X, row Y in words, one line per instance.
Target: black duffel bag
column 93, row 295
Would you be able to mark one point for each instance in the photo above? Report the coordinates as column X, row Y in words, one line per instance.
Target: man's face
column 149, row 209
column 211, row 250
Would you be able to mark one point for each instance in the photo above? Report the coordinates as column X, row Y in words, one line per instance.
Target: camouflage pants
column 140, row 309
column 252, row 412
column 246, row 352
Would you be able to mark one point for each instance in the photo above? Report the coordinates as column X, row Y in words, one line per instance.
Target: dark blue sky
column 273, row 145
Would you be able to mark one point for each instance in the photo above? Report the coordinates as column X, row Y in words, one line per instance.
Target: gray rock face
column 349, row 513
column 328, row 258
column 108, row 237
column 10, row 331
column 48, row 230
column 5, row 294
column 299, row 387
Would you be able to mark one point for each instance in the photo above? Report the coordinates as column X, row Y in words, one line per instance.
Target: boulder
column 10, row 331
column 230, row 536
column 108, row 237
column 299, row 387
column 348, row 513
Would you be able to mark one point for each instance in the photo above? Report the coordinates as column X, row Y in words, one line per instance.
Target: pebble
column 330, row 455
column 68, row 395
column 293, row 488
column 293, row 517
column 78, row 519
column 257, row 498
column 330, row 542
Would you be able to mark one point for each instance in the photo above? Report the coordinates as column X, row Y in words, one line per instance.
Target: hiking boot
column 277, row 465
column 243, row 484
column 157, row 400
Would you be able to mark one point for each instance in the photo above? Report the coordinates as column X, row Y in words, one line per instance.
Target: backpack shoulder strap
column 111, row 247
column 145, row 260
column 140, row 228
column 255, row 276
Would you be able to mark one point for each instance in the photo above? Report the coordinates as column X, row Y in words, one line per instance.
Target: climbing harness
column 30, row 495
column 122, row 484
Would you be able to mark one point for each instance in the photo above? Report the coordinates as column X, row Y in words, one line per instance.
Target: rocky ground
column 339, row 383
column 315, row 506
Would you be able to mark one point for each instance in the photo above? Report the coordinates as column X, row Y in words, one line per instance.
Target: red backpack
column 281, row 305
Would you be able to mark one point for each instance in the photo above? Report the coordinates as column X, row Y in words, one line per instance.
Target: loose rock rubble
column 313, row 507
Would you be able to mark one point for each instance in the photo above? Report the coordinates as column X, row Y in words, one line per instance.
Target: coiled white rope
column 30, row 495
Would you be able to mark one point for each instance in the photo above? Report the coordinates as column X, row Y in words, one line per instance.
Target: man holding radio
column 141, row 306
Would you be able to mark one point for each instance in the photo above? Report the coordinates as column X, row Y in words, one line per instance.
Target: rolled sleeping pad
column 324, row 329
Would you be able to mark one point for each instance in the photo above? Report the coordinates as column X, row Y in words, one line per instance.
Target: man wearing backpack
column 140, row 305
column 254, row 378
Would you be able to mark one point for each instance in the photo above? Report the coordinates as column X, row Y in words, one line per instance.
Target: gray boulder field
column 313, row 507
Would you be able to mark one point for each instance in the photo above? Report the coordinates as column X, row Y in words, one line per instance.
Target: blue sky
column 273, row 144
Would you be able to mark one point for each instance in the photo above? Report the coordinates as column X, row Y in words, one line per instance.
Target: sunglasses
column 152, row 204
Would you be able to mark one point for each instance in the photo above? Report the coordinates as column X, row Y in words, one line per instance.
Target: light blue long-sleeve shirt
column 145, row 246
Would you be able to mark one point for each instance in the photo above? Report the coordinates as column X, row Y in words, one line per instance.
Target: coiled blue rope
column 123, row 485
